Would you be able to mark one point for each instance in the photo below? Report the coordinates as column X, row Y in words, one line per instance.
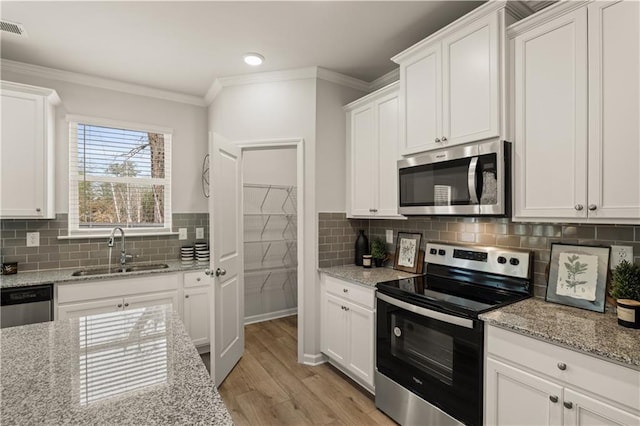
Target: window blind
column 118, row 176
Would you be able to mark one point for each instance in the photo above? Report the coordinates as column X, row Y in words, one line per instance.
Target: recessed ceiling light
column 253, row 59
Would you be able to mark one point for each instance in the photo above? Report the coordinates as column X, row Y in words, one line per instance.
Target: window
column 119, row 175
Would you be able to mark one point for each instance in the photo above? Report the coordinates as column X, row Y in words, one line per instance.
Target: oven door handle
column 471, row 180
column 450, row 319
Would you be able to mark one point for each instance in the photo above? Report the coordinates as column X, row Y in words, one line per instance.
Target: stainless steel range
column 429, row 340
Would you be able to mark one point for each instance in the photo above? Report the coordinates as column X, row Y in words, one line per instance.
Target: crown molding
column 385, row 80
column 342, row 79
column 545, row 15
column 99, row 82
column 214, row 90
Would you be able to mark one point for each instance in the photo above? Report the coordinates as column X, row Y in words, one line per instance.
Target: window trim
column 74, row 230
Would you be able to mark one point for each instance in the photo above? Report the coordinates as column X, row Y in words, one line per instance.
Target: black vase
column 362, row 247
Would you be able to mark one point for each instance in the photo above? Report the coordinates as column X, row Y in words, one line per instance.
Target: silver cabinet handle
column 220, row 271
column 444, row 139
column 345, row 290
column 579, row 207
column 592, row 207
column 562, row 366
column 553, row 398
column 437, row 140
column 119, row 305
column 568, row 404
column 126, row 304
column 186, row 296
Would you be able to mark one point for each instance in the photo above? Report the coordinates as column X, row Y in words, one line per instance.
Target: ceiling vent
column 13, row 28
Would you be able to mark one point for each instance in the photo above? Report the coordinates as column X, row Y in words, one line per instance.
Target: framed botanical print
column 578, row 276
column 407, row 252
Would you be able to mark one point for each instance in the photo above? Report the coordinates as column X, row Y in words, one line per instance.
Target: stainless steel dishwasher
column 26, row 305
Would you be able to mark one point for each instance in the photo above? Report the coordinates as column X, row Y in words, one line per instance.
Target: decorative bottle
column 362, row 247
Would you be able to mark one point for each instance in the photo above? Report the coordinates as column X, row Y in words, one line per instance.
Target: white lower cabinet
column 529, row 382
column 83, row 309
column 347, row 324
column 196, row 304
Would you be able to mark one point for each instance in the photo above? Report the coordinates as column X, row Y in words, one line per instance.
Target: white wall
column 304, row 108
column 189, row 124
column 331, row 182
column 270, row 166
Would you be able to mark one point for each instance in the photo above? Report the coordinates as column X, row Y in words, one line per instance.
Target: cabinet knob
column 568, row 404
column 119, row 305
column 437, row 140
column 346, row 309
column 444, row 139
column 592, row 207
column 126, row 304
column 186, row 296
column 345, row 290
column 374, row 210
column 562, row 366
column 38, row 209
column 553, row 398
column 579, row 207
column 370, row 210
column 198, row 279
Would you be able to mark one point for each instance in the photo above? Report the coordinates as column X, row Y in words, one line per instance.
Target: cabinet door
column 153, row 299
column 581, row 410
column 421, row 96
column 515, row 397
column 196, row 314
column 75, row 310
column 386, row 185
column 550, row 147
column 360, row 340
column 470, row 81
column 614, row 108
column 335, row 329
column 23, row 155
column 363, row 154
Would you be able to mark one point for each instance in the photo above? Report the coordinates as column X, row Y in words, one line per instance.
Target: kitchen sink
column 114, row 271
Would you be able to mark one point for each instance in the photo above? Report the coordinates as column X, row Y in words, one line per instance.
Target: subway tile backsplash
column 54, row 253
column 337, row 236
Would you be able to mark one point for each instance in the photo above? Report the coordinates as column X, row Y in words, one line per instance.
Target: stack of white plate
column 202, row 253
column 187, row 254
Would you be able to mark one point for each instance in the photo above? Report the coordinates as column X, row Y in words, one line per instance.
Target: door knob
column 220, row 271
column 592, row 207
column 579, row 207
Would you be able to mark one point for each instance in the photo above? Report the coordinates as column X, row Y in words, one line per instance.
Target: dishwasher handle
column 31, row 294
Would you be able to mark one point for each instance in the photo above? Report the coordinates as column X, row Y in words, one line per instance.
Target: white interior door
column 226, row 268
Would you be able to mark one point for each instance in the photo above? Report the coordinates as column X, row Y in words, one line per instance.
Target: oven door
column 437, row 356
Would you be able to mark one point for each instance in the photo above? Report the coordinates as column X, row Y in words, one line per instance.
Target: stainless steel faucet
column 123, row 254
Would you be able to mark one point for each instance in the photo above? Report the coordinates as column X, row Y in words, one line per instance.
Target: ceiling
column 184, row 46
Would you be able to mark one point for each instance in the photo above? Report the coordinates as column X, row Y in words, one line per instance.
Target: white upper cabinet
column 451, row 85
column 576, row 96
column 27, row 151
column 372, row 152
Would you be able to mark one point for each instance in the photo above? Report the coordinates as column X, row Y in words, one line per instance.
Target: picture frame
column 578, row 276
column 407, row 257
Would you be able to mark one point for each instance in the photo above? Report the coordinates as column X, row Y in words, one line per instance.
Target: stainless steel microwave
column 465, row 180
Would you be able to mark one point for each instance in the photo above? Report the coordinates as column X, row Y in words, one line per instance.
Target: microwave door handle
column 471, row 180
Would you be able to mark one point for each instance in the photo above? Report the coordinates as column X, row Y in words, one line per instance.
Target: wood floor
column 269, row 387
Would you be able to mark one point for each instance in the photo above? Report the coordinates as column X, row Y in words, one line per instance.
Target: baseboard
column 203, row 349
column 270, row 316
column 313, row 360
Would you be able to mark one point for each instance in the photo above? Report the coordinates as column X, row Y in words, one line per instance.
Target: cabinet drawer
column 600, row 377
column 353, row 292
column 195, row 279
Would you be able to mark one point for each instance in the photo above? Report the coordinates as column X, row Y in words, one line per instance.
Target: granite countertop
column 590, row 332
column 365, row 276
column 23, row 279
column 131, row 367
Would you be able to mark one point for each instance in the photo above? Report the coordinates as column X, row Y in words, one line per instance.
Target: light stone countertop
column 590, row 332
column 65, row 372
column 23, row 279
column 365, row 276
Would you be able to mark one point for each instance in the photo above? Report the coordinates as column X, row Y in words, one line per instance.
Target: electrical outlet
column 389, row 234
column 33, row 239
column 620, row 253
column 182, row 233
column 199, row 233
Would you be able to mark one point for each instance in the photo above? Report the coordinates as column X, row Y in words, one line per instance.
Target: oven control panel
column 495, row 260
